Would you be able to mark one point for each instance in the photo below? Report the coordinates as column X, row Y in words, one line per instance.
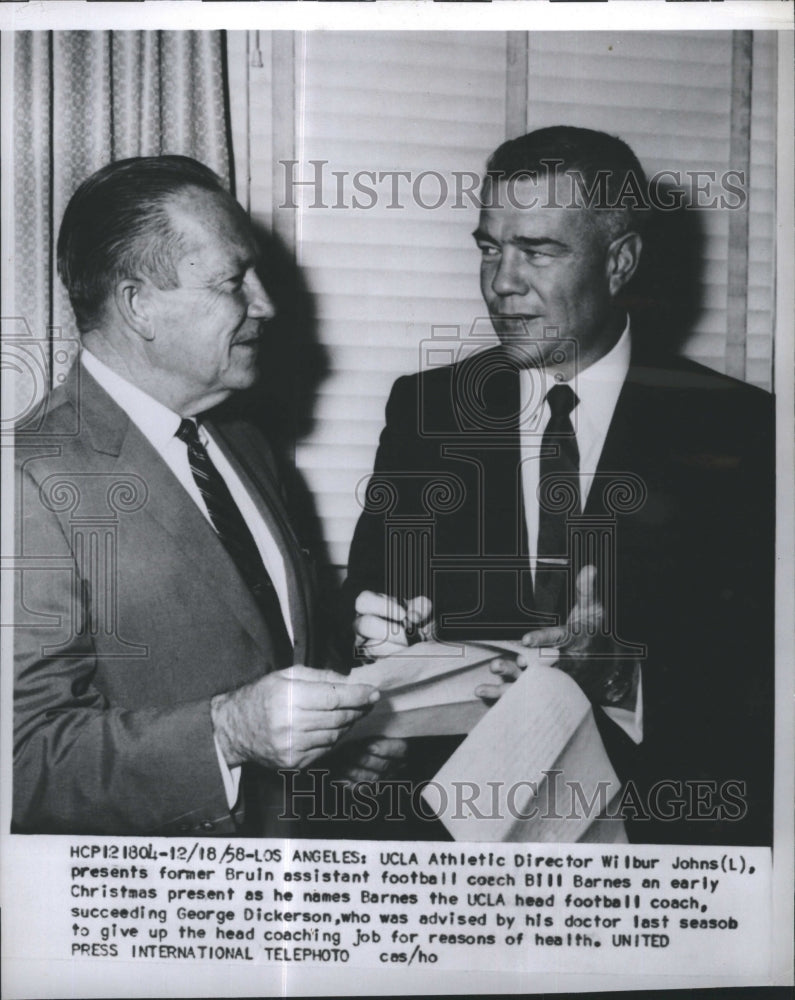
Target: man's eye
column 235, row 283
column 487, row 250
column 537, row 257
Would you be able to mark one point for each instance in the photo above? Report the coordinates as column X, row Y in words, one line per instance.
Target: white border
column 535, row 15
column 784, row 385
column 406, row 15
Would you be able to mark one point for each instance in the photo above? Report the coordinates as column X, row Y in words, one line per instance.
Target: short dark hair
column 117, row 225
column 602, row 164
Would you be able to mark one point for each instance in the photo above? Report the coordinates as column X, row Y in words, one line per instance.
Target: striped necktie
column 237, row 539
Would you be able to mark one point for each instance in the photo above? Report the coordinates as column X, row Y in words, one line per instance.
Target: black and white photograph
column 397, row 499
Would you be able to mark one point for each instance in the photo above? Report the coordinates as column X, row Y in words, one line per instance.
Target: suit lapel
column 264, row 492
column 493, row 445
column 504, row 511
column 110, row 432
column 624, row 449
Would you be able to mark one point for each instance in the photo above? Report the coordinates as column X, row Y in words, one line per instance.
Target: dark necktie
column 558, row 477
column 238, row 541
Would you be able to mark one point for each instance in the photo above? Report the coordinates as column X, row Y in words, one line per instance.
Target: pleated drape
column 83, row 99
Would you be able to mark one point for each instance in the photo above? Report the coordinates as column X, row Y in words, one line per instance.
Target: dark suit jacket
column 690, row 454
column 130, row 616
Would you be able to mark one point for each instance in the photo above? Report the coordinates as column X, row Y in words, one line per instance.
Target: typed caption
column 561, row 907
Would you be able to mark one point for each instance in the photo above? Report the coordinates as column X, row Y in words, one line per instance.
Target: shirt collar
column 153, row 418
column 599, row 385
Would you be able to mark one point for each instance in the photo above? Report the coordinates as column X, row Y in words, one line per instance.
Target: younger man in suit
column 587, row 492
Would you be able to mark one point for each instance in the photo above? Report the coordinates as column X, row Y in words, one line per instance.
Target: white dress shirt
column 159, row 425
column 597, row 388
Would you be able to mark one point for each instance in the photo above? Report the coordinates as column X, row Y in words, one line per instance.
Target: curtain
column 83, row 99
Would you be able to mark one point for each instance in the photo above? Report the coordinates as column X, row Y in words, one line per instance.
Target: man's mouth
column 515, row 324
column 248, row 334
column 516, row 317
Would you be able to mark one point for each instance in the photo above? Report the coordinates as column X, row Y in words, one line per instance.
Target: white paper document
column 533, row 769
column 429, row 690
column 533, row 766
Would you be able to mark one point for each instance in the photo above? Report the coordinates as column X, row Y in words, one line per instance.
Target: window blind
column 762, row 213
column 668, row 94
column 384, row 277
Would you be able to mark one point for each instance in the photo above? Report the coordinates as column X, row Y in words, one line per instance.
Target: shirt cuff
column 230, row 777
column 631, row 721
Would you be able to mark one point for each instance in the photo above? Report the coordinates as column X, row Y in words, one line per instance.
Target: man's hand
column 384, row 626
column 576, row 638
column 506, row 671
column 371, row 761
column 585, row 650
column 288, row 718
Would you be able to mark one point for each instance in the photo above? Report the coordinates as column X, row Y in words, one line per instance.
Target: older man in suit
column 600, row 497
column 162, row 592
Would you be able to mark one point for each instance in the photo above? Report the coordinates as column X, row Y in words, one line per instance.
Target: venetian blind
column 762, row 213
column 669, row 95
column 391, row 268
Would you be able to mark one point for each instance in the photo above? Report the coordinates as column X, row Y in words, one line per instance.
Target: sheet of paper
column 428, row 691
column 452, row 719
column 420, row 663
column 508, row 768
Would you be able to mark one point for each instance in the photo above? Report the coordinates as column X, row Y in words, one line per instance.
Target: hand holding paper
column 289, row 717
column 542, row 721
column 587, row 652
column 385, row 625
column 505, row 670
column 369, row 760
column 429, row 689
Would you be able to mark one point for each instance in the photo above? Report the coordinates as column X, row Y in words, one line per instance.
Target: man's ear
column 623, row 257
column 131, row 302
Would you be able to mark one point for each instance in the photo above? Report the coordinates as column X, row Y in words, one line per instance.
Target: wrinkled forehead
column 534, row 208
column 211, row 224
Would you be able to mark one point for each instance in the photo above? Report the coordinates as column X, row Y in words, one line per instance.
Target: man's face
column 544, row 273
column 207, row 330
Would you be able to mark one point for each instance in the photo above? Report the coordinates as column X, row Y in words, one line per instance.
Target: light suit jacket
column 130, row 616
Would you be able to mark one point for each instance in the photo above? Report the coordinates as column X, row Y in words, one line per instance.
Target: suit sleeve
column 398, row 451
column 80, row 764
column 706, row 760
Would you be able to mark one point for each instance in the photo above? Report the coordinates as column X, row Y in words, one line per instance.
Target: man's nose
column 260, row 305
column 510, row 277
